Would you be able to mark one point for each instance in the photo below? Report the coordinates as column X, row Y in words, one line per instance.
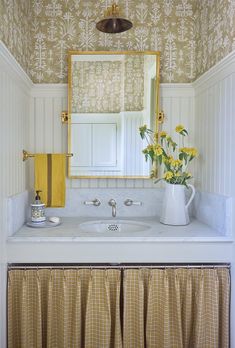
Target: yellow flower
column 163, row 134
column 183, row 149
column 158, row 150
column 150, row 147
column 191, row 151
column 189, row 175
column 176, row 163
column 170, row 159
column 177, row 174
column 179, row 128
column 168, row 175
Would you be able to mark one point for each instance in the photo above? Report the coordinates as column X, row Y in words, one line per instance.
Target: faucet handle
column 112, row 202
column 96, row 202
column 128, row 202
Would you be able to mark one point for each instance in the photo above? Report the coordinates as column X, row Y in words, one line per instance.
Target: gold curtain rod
column 115, row 266
column 27, row 155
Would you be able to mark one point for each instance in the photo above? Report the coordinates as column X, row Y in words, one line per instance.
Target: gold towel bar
column 26, row 155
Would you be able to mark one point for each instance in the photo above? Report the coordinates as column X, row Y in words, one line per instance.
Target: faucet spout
column 113, row 204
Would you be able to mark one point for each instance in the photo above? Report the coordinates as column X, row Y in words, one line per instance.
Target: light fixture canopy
column 112, row 22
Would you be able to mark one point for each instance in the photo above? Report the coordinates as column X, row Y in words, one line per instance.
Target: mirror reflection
column 110, row 96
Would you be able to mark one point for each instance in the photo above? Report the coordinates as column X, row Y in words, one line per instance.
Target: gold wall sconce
column 64, row 117
column 161, row 116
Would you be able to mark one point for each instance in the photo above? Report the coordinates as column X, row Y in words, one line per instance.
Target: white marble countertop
column 69, row 231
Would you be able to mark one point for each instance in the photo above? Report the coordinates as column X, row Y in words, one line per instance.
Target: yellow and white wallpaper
column 15, row 29
column 134, row 83
column 215, row 32
column 192, row 35
column 108, row 86
column 162, row 25
column 96, row 86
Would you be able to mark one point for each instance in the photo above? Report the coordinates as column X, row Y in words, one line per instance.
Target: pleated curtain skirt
column 131, row 308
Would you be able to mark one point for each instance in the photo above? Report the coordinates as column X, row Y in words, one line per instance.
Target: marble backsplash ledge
column 150, row 198
column 214, row 210
column 211, row 209
column 17, row 211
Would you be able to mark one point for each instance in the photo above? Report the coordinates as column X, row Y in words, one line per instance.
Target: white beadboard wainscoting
column 14, row 130
column 215, row 138
column 215, row 128
column 48, row 134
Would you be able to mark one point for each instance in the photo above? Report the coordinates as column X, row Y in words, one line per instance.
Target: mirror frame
column 72, row 53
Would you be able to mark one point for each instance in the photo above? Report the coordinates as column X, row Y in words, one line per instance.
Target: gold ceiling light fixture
column 113, row 23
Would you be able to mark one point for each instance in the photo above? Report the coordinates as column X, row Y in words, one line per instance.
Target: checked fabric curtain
column 131, row 308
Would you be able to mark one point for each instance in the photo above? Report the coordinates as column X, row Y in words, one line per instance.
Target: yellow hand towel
column 50, row 178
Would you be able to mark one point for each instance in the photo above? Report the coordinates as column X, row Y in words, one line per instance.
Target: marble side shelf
column 69, row 231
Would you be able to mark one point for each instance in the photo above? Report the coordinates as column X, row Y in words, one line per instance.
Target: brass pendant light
column 112, row 22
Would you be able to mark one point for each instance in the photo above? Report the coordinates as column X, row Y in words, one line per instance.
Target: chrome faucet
column 113, row 204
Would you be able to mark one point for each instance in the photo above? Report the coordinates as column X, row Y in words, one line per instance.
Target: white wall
column 14, row 130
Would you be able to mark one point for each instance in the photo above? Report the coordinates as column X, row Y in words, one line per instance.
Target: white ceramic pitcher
column 174, row 208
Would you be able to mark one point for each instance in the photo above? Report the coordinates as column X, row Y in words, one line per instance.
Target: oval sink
column 114, row 226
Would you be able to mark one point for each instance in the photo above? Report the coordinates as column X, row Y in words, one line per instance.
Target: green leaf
column 167, row 166
column 155, row 182
column 190, row 159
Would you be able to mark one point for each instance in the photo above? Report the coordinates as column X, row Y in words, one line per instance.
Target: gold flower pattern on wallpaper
column 215, row 32
column 15, row 29
column 108, row 86
column 96, row 86
column 192, row 35
column 167, row 26
column 134, row 83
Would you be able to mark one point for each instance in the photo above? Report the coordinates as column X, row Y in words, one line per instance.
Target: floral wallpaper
column 192, row 35
column 215, row 32
column 134, row 83
column 108, row 86
column 96, row 86
column 165, row 25
column 15, row 29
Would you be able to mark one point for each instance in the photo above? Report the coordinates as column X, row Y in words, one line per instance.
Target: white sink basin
column 102, row 226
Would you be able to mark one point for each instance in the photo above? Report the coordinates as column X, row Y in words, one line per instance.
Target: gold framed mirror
column 110, row 95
